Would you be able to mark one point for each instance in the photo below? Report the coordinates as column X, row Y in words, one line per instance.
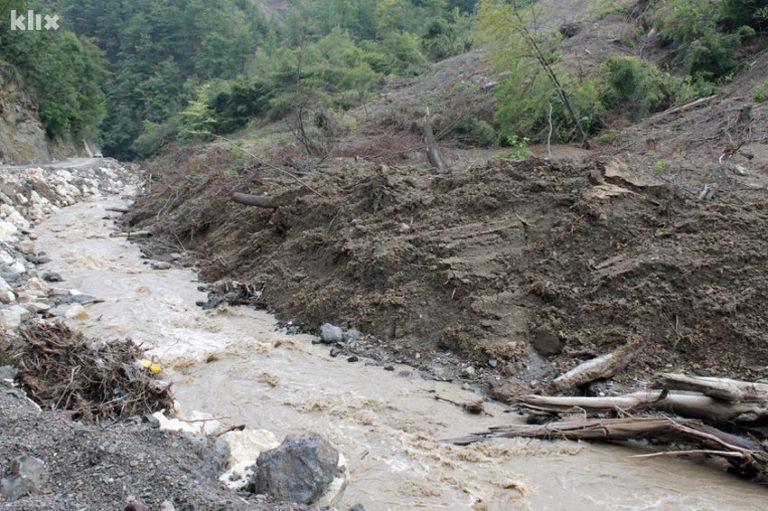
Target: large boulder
column 300, row 470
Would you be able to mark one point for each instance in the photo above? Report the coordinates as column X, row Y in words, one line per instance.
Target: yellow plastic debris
column 152, row 366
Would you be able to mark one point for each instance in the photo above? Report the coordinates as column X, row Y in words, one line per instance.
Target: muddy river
column 234, row 364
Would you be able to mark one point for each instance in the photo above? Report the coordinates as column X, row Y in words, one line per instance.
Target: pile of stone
column 27, row 196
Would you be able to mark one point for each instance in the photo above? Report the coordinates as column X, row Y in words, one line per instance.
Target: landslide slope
column 484, row 261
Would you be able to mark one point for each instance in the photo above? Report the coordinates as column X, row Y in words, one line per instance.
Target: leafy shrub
column 476, row 132
column 155, row 137
column 660, row 166
column 518, row 148
column 637, row 87
column 761, row 93
column 608, row 136
column 398, row 53
column 708, row 34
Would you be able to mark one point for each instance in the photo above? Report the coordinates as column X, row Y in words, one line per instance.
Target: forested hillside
column 162, row 70
column 65, row 74
column 142, row 74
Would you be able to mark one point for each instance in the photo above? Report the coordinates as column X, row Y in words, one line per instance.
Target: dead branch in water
column 688, row 405
column 747, row 456
column 692, row 415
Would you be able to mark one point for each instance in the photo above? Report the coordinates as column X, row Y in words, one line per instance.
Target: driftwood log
column 719, row 388
column 746, row 455
column 259, row 201
column 692, row 415
column 599, row 368
column 689, row 405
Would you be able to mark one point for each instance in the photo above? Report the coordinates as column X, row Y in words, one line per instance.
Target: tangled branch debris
column 692, row 415
column 62, row 370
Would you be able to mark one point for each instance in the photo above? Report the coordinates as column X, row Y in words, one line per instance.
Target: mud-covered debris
column 62, row 370
column 546, row 342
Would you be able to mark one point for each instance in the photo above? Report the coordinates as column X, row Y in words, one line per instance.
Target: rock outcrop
column 22, row 136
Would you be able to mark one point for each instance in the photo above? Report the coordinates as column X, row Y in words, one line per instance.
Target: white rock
column 12, row 317
column 19, row 267
column 32, row 295
column 204, row 423
column 37, row 199
column 6, row 258
column 11, row 215
column 37, row 307
column 7, row 296
column 7, row 231
column 26, row 247
column 336, row 489
column 38, row 285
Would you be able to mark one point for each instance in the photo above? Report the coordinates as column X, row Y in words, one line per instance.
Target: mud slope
column 482, row 262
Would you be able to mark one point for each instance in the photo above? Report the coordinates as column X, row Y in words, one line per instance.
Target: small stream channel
column 387, row 424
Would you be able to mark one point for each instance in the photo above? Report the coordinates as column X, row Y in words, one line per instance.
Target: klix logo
column 33, row 21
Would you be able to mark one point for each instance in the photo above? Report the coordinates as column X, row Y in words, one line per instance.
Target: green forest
column 139, row 72
column 136, row 75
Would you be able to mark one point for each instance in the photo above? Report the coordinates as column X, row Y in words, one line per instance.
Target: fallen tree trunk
column 599, row 368
column 719, row 388
column 746, row 455
column 259, row 201
column 694, row 406
column 687, row 106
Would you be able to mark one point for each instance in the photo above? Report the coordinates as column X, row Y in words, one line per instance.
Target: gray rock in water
column 82, row 299
column 300, row 470
column 25, row 477
column 52, row 277
column 331, row 334
column 161, row 265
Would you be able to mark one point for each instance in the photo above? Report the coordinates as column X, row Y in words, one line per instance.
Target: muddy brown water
column 387, row 424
